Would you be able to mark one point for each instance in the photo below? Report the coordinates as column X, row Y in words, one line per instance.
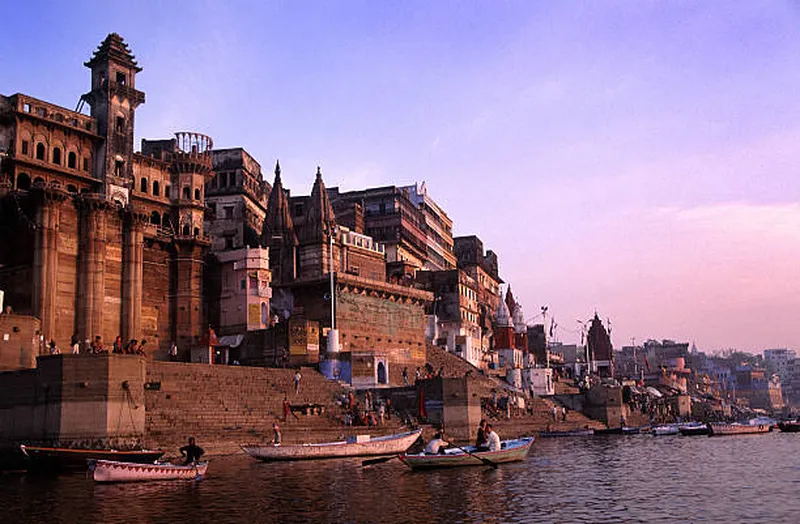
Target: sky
column 638, row 159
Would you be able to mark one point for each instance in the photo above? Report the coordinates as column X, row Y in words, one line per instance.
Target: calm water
column 596, row 479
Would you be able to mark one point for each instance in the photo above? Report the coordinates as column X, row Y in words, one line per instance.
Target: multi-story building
column 454, row 315
column 440, row 254
column 482, row 267
column 237, row 199
column 106, row 241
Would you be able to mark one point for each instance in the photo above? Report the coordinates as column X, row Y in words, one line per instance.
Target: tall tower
column 316, row 235
column 278, row 233
column 192, row 167
column 113, row 100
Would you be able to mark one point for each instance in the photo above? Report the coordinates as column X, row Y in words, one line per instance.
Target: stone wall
column 19, row 341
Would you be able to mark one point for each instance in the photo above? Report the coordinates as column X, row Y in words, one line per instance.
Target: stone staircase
column 224, row 406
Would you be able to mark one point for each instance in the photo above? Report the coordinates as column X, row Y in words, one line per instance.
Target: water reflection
column 612, row 479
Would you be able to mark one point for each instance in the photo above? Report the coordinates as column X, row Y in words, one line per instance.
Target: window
column 56, row 155
column 121, row 78
column 155, row 218
column 243, row 284
column 40, row 152
column 166, row 191
column 120, row 125
column 86, row 164
column 26, row 107
column 143, row 185
column 165, row 219
column 72, row 189
column 197, row 231
column 228, row 242
column 72, row 160
column 156, row 189
column 223, row 179
column 227, row 212
column 197, row 194
column 24, row 147
column 186, row 230
column 120, row 164
column 23, row 182
column 41, row 111
column 186, row 193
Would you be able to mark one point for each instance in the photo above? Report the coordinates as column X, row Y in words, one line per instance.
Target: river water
column 754, row 478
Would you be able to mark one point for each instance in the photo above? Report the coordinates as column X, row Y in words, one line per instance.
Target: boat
column 633, row 430
column 567, row 433
column 716, row 429
column 789, row 426
column 667, row 429
column 510, row 451
column 691, row 429
column 116, row 471
column 609, row 431
column 357, row 446
column 66, row 458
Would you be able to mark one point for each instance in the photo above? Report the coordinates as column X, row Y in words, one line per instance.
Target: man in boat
column 482, row 443
column 192, row 451
column 436, row 445
column 493, row 438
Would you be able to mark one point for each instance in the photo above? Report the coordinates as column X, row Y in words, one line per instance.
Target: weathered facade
column 107, row 241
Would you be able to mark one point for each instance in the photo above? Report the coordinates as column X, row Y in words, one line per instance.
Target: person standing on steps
column 276, row 434
column 297, row 378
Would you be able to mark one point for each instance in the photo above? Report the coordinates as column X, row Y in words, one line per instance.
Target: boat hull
column 718, row 429
column 693, row 430
column 515, row 451
column 789, row 427
column 115, row 471
column 661, row 431
column 388, row 445
column 66, row 458
column 570, row 433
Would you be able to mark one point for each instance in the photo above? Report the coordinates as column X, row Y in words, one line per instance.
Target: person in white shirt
column 436, row 445
column 493, row 437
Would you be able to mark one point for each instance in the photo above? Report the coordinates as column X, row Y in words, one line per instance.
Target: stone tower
column 319, row 228
column 278, row 233
column 113, row 101
column 192, row 167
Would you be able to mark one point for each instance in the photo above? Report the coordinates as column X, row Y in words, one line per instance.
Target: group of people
column 133, row 347
column 371, row 412
column 487, row 440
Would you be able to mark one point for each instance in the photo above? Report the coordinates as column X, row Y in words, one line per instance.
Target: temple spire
column 320, row 220
column 278, row 225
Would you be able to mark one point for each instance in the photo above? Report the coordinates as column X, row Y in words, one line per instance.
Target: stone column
column 45, row 257
column 91, row 290
column 132, row 274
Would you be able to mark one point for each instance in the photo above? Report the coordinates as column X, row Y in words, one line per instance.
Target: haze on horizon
column 638, row 159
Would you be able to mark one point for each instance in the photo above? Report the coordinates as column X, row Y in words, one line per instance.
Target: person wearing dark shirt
column 192, row 452
column 482, row 442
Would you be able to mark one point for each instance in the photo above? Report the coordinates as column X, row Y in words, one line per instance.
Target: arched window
column 382, row 373
column 72, row 160
column 143, row 187
column 165, row 219
column 72, row 189
column 197, row 194
column 197, row 231
column 156, row 189
column 40, row 151
column 186, row 193
column 56, row 155
column 23, row 181
column 155, row 218
column 186, row 230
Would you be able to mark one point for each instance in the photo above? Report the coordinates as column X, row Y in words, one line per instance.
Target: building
column 454, row 315
column 601, row 352
column 440, row 255
column 120, row 234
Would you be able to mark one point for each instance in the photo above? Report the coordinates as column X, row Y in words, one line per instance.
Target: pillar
column 91, row 287
column 45, row 259
column 132, row 274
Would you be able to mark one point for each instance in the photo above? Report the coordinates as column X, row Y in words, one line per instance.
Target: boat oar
column 381, row 460
column 484, row 460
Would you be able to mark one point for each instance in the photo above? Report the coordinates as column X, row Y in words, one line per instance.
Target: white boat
column 510, row 451
column 358, row 446
column 115, row 471
column 667, row 429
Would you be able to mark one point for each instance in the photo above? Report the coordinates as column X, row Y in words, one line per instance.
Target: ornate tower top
column 510, row 301
column 113, row 48
column 519, row 320
column 320, row 219
column 278, row 223
column 503, row 316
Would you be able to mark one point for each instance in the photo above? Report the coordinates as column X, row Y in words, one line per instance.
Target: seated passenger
column 436, row 446
column 482, row 443
column 493, row 438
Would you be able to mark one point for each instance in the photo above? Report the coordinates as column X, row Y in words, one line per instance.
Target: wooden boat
column 64, row 458
column 567, row 433
column 358, row 446
column 116, row 471
column 609, row 431
column 628, row 430
column 668, row 429
column 789, row 426
column 716, row 429
column 511, row 451
column 693, row 429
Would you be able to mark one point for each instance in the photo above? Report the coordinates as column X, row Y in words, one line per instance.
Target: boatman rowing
column 192, row 452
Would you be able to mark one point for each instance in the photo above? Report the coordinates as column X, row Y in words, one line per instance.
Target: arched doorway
column 382, row 375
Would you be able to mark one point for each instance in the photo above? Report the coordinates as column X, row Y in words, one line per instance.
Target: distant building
column 601, row 352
